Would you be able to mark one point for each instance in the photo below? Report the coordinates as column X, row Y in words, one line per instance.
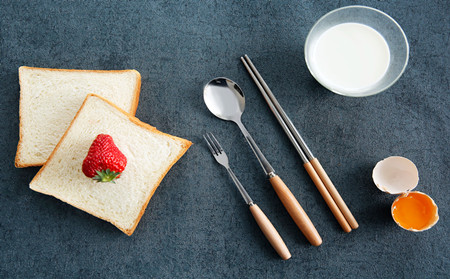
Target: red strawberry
column 104, row 161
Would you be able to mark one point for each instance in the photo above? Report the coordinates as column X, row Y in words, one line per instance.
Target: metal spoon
column 225, row 99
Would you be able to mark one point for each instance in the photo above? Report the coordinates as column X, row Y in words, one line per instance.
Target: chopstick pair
column 311, row 164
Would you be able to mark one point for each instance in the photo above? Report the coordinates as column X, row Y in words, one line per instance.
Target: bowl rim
column 308, row 37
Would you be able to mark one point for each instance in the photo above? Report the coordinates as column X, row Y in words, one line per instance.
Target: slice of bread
column 50, row 98
column 150, row 154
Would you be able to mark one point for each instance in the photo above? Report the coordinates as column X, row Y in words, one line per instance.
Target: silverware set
column 225, row 99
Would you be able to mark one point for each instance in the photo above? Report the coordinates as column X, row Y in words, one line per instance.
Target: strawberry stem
column 106, row 176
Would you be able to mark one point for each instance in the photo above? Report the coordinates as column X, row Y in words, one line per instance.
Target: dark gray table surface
column 196, row 225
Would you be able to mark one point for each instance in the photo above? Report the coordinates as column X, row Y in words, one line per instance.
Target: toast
column 150, row 154
column 50, row 98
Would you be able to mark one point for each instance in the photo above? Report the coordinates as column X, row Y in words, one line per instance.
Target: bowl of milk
column 356, row 51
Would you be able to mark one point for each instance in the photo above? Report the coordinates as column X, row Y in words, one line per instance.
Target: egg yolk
column 414, row 211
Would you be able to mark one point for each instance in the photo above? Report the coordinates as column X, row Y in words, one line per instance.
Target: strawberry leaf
column 106, row 176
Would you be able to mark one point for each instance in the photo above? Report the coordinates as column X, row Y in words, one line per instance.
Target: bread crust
column 17, row 162
column 129, row 231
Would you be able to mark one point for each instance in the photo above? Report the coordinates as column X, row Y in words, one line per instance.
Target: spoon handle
column 296, row 211
column 268, row 169
column 270, row 232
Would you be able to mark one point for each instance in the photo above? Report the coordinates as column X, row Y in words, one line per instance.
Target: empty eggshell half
column 395, row 175
column 415, row 211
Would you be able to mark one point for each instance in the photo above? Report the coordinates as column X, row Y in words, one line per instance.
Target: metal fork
column 263, row 222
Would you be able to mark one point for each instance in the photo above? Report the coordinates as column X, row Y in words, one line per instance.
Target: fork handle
column 296, row 211
column 270, row 232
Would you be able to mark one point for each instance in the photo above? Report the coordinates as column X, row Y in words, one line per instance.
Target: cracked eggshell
column 395, row 175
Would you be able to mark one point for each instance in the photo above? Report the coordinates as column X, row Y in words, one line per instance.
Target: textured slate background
column 196, row 226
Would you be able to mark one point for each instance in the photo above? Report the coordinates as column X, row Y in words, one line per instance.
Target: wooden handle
column 334, row 193
column 327, row 197
column 270, row 232
column 296, row 211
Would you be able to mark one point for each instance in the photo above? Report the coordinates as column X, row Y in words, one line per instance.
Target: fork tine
column 209, row 145
column 217, row 143
column 213, row 144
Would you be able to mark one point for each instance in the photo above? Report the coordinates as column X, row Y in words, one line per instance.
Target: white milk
column 350, row 57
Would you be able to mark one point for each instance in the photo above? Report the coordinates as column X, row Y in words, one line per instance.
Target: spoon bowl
column 224, row 98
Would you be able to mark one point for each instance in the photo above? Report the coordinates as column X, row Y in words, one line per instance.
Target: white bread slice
column 50, row 98
column 150, row 154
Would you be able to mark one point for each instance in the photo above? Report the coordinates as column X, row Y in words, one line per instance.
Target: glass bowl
column 387, row 27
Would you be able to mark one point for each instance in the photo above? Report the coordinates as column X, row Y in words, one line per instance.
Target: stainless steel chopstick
column 311, row 164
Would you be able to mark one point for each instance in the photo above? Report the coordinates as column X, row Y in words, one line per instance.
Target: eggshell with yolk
column 415, row 211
